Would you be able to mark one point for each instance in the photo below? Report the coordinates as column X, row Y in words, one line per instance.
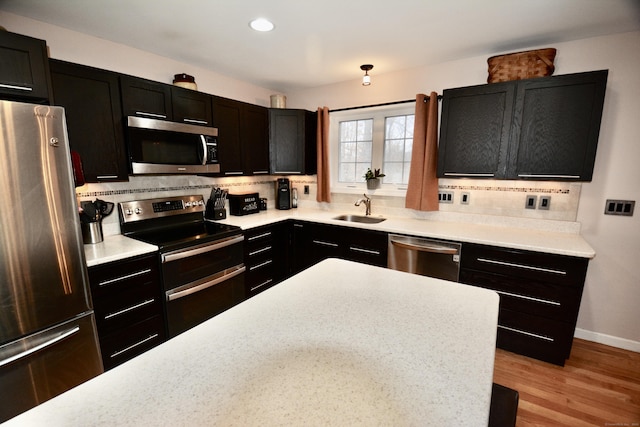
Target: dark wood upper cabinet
column 541, row 129
column 243, row 137
column 91, row 98
column 24, row 68
column 191, row 107
column 146, row 98
column 292, row 141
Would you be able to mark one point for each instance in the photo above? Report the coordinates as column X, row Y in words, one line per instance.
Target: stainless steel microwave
column 162, row 147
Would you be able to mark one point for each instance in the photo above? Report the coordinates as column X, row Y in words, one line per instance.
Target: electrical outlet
column 445, row 196
column 306, row 189
column 464, row 199
column 545, row 202
column 531, row 202
column 619, row 207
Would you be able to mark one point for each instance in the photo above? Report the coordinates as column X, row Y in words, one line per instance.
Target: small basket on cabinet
column 521, row 65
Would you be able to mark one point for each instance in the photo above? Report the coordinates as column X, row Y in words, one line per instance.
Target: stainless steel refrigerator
column 48, row 339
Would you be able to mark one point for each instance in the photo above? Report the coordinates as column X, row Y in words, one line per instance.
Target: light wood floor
column 598, row 386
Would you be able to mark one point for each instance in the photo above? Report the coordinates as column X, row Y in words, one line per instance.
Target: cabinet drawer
column 367, row 254
column 558, row 269
column 534, row 336
column 127, row 307
column 121, row 346
column 528, row 296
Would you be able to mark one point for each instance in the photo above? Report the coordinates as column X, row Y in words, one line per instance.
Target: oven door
column 202, row 281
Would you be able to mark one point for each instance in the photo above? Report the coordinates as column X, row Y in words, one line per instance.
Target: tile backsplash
column 492, row 198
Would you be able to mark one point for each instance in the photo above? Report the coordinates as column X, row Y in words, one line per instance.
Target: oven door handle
column 181, row 254
column 228, row 274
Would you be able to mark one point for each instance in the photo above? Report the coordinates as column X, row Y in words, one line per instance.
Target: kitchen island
column 340, row 343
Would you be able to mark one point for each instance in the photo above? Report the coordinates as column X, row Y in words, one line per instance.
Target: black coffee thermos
column 283, row 194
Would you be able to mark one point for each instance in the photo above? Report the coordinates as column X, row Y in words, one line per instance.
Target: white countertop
column 341, row 343
column 532, row 239
column 114, row 248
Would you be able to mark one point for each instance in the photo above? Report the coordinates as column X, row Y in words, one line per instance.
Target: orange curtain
column 422, row 190
column 324, row 191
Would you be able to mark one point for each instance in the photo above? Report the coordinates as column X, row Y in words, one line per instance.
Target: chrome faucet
column 367, row 204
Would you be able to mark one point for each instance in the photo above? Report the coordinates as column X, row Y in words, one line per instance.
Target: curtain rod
column 379, row 105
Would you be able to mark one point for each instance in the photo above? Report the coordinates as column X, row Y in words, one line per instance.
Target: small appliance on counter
column 244, row 204
column 91, row 216
column 294, row 197
column 216, row 205
column 263, row 204
column 283, row 194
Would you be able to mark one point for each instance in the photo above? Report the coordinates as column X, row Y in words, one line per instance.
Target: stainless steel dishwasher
column 427, row 257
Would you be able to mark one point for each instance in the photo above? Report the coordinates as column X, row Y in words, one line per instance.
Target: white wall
column 609, row 311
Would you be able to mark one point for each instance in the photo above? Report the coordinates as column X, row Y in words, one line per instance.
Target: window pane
column 356, row 141
column 397, row 148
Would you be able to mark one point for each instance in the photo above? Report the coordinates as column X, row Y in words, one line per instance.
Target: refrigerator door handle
column 59, row 337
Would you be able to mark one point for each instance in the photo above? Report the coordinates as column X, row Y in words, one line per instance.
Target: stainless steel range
column 201, row 261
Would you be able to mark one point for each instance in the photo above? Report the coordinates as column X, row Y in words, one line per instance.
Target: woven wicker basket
column 521, row 65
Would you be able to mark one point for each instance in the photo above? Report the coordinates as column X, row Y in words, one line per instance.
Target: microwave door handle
column 203, row 141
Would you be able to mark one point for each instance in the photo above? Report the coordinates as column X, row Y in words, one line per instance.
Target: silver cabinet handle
column 266, row 282
column 158, row 116
column 180, row 254
column 255, row 267
column 268, row 248
column 260, row 172
column 259, row 236
column 25, row 88
column 61, row 336
column 366, row 251
column 426, row 247
column 530, row 334
column 525, row 267
column 544, row 301
column 233, row 173
column 132, row 346
column 107, row 177
column 535, row 175
column 121, row 278
column 320, row 242
column 128, row 309
column 469, row 174
column 196, row 121
column 191, row 289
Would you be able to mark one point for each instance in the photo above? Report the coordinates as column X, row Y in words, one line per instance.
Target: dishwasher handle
column 417, row 245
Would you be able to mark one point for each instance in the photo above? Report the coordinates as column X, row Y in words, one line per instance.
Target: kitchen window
column 376, row 138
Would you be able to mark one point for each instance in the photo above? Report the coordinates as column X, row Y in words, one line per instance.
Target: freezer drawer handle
column 60, row 337
column 228, row 274
column 132, row 346
column 181, row 254
column 128, row 276
column 426, row 248
column 526, row 267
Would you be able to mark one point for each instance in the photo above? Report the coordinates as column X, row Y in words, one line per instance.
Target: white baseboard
column 608, row 340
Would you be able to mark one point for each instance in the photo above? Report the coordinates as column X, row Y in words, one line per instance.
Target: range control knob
column 138, row 210
column 128, row 211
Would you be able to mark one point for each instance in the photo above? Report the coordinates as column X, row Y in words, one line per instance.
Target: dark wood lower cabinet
column 539, row 297
column 128, row 307
column 265, row 257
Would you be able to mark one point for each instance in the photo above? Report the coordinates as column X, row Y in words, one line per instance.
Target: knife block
column 213, row 213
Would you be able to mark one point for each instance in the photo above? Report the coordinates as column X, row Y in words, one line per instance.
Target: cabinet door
column 191, row 107
column 292, row 141
column 255, row 138
column 474, row 133
column 559, row 127
column 91, row 98
column 24, row 68
column 145, row 98
column 227, row 115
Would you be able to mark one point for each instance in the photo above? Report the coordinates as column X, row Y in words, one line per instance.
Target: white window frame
column 378, row 114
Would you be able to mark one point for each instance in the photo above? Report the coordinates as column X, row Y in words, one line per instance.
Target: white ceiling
column 322, row 42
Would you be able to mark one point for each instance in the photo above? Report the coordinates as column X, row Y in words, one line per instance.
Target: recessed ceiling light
column 261, row 24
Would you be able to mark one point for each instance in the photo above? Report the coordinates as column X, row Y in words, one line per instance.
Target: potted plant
column 373, row 178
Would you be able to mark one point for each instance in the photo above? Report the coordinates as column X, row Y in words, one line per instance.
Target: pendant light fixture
column 366, row 79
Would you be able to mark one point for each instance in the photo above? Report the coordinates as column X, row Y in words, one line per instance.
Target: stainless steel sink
column 359, row 218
